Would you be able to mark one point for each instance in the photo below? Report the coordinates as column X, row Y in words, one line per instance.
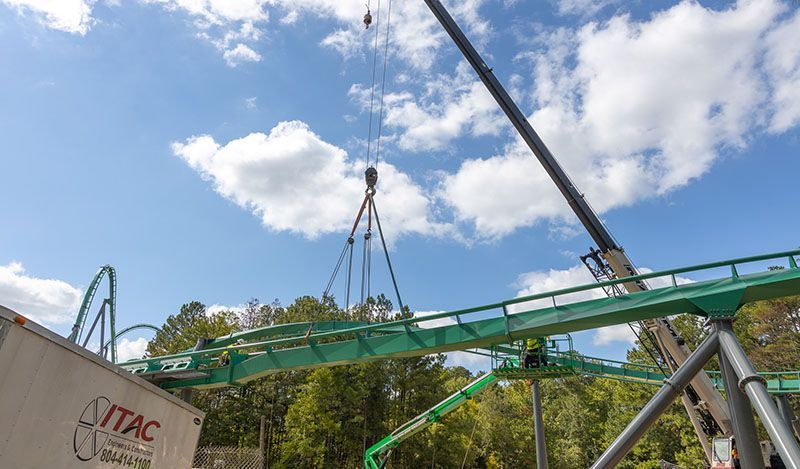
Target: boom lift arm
column 671, row 347
column 377, row 455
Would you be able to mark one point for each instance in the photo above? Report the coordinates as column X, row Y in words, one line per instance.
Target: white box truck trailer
column 62, row 406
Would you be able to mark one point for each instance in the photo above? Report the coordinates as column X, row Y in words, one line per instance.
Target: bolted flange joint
column 721, row 313
column 749, row 379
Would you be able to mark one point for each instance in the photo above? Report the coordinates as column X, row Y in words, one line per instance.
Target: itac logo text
column 102, row 419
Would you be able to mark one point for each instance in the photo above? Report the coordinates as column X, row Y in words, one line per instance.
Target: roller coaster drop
column 110, row 315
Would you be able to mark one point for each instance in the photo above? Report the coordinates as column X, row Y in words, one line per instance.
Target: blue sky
column 214, row 150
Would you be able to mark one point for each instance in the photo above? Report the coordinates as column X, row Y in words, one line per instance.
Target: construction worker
column 535, row 353
column 225, row 357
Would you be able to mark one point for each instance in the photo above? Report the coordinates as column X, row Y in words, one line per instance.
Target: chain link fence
column 228, row 457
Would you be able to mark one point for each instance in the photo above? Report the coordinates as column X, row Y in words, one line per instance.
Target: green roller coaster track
column 88, row 297
column 301, row 346
column 86, row 304
column 130, row 329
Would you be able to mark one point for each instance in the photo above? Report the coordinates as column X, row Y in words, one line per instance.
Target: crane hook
column 367, row 18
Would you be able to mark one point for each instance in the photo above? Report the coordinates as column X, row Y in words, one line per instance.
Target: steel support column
column 753, row 385
column 658, row 404
column 538, row 427
column 186, row 393
column 782, row 400
column 742, row 420
column 698, row 430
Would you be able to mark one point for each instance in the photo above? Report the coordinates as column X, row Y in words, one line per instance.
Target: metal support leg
column 698, row 430
column 754, row 386
column 785, row 409
column 186, row 394
column 538, row 426
column 742, row 420
column 658, row 404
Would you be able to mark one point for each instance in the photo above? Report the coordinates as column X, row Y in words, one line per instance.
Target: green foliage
column 181, row 331
column 328, row 417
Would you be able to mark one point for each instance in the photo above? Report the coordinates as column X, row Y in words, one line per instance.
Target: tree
column 181, row 331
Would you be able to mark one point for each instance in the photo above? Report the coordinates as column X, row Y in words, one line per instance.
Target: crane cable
column 372, row 87
column 383, row 82
column 371, row 176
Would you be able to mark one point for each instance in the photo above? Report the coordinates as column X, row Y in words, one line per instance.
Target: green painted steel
column 130, row 329
column 778, row 382
column 571, row 364
column 403, row 339
column 80, row 320
column 379, row 451
column 294, row 329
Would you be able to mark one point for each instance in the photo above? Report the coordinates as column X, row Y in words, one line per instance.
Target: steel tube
column 753, row 385
column 538, row 427
column 186, row 394
column 742, row 420
column 786, row 411
column 698, row 430
column 658, row 404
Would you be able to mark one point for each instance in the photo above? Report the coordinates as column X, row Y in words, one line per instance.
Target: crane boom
column 588, row 218
column 701, row 395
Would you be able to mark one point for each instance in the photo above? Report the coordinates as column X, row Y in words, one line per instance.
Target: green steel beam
column 778, row 382
column 402, row 339
column 294, row 329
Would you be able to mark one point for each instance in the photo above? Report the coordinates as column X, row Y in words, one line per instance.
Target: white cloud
column 218, row 12
column 232, row 26
column 131, row 349
column 448, row 107
column 782, row 63
column 471, row 361
column 611, row 334
column 638, row 109
column 294, row 181
column 251, row 102
column 218, row 308
column 531, row 283
column 433, row 323
column 347, row 42
column 416, row 35
column 72, row 16
column 240, row 54
column 583, row 8
column 47, row 301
